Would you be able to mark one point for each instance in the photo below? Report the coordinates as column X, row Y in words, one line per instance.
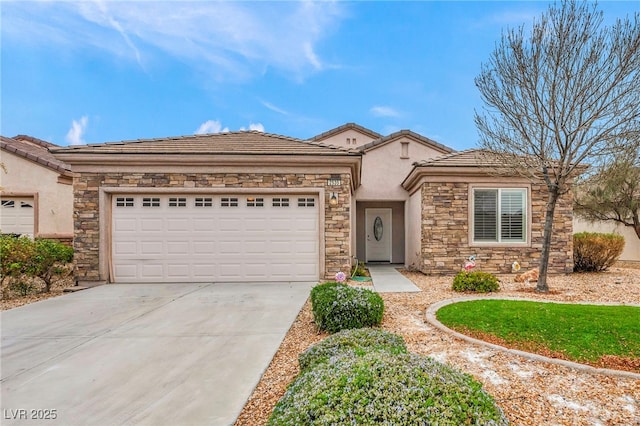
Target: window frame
column 526, row 234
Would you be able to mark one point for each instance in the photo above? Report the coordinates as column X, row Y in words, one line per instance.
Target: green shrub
column 337, row 306
column 595, row 252
column 16, row 255
column 478, row 281
column 357, row 342
column 388, row 389
column 41, row 258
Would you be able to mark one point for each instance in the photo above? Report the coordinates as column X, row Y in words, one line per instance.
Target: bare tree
column 613, row 192
column 565, row 91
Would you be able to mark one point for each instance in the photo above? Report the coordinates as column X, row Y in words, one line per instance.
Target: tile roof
column 239, row 143
column 348, row 126
column 467, row 158
column 408, row 133
column 35, row 150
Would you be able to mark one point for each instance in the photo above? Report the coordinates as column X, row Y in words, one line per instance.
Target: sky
column 104, row 71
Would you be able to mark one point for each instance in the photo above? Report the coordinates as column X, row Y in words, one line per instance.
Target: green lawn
column 582, row 333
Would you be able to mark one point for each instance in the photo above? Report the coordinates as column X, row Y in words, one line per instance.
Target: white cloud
column 274, row 108
column 227, row 40
column 254, row 126
column 211, row 126
column 116, row 25
column 384, row 111
column 76, row 132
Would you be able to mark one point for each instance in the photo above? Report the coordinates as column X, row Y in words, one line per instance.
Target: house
column 251, row 206
column 36, row 190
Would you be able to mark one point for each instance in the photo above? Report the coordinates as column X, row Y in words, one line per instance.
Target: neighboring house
column 36, row 190
column 631, row 252
column 251, row 206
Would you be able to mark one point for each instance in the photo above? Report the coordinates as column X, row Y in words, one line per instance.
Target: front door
column 378, row 234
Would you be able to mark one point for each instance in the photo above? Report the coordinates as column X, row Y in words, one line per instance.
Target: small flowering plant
column 341, row 277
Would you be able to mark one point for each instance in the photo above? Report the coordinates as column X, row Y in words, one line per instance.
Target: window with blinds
column 499, row 215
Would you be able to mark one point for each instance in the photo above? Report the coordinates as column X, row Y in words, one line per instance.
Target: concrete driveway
column 155, row 354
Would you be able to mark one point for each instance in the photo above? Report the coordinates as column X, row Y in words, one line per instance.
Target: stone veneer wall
column 87, row 210
column 445, row 233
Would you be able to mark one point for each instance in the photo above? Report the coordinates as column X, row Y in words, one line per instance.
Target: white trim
column 527, row 220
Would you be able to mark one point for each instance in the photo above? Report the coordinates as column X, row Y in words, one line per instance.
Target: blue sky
column 99, row 71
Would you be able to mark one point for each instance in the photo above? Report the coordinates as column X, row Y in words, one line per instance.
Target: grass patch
column 583, row 333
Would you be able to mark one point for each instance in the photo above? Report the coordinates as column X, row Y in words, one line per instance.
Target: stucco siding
column 54, row 200
column 385, row 167
column 413, row 221
column 355, row 139
column 631, row 252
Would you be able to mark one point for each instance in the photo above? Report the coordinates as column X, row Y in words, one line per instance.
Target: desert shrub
column 337, row 306
column 359, row 270
column 16, row 254
column 478, row 281
column 23, row 257
column 595, row 252
column 383, row 388
column 356, row 342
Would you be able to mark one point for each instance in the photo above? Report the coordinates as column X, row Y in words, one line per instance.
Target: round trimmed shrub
column 337, row 306
column 356, row 342
column 382, row 388
column 595, row 252
column 478, row 281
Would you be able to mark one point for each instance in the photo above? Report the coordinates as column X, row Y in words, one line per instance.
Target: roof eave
column 418, row 172
column 411, row 135
column 35, row 159
column 80, row 159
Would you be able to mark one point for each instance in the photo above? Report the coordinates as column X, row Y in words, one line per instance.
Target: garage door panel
column 255, row 270
column 231, row 271
column 152, row 225
column 177, row 270
column 125, row 225
column 229, row 224
column 239, row 242
column 204, row 224
column 281, row 247
column 126, row 247
column 305, row 224
column 256, row 224
column 203, row 247
column 255, row 247
column 126, row 272
column 148, row 248
column 178, row 247
column 152, row 271
column 181, row 225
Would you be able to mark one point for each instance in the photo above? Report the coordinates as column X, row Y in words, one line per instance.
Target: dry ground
column 530, row 393
column 9, row 299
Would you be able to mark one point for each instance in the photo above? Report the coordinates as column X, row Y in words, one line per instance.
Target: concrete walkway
column 151, row 354
column 387, row 279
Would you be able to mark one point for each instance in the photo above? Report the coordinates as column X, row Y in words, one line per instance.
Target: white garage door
column 223, row 238
column 16, row 215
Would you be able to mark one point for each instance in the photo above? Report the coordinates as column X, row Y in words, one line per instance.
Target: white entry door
column 222, row 238
column 378, row 234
